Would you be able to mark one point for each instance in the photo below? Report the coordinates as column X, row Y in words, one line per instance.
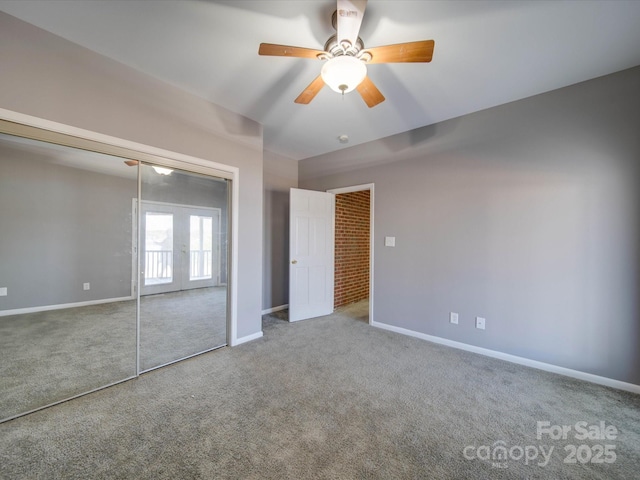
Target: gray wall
column 527, row 214
column 48, row 77
column 59, row 228
column 280, row 174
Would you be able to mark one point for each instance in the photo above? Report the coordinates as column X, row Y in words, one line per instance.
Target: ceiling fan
column 347, row 58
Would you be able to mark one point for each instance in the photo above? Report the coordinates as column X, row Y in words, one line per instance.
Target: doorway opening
column 353, row 281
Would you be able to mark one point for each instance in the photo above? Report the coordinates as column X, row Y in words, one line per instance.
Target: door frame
column 360, row 188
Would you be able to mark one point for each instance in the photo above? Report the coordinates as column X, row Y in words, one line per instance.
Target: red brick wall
column 352, row 247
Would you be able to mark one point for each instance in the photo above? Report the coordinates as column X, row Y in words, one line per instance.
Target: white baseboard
column 275, row 309
column 588, row 377
column 46, row 308
column 248, row 338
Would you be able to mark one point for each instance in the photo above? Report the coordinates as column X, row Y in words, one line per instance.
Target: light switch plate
column 389, row 241
column 3, row 291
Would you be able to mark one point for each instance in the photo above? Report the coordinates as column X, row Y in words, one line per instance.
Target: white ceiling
column 487, row 53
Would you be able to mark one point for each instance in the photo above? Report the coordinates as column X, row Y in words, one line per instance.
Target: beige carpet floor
column 330, row 398
column 53, row 355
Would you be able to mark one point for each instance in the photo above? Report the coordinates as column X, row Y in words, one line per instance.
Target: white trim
column 162, row 157
column 181, row 205
column 134, row 246
column 165, row 158
column 46, row 308
column 137, row 271
column 275, row 309
column 354, row 188
column 232, row 276
column 247, row 338
column 359, row 188
column 547, row 367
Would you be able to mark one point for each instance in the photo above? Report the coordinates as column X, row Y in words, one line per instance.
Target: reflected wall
column 78, row 307
column 67, row 310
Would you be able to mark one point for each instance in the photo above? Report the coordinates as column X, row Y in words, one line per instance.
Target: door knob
column 294, row 261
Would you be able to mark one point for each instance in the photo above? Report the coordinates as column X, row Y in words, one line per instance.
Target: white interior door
column 311, row 250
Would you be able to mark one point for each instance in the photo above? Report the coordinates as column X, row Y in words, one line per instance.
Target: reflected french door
column 180, row 247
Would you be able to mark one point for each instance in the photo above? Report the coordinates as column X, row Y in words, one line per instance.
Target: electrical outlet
column 480, row 323
column 86, row 286
column 3, row 291
column 453, row 317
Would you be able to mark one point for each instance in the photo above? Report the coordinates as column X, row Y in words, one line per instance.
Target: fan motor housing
column 335, row 49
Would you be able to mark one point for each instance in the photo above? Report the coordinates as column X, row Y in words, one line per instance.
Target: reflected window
column 201, row 242
column 158, row 259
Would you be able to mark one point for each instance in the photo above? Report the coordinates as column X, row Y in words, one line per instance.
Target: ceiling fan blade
column 287, row 51
column 311, row 91
column 421, row 51
column 370, row 93
column 349, row 19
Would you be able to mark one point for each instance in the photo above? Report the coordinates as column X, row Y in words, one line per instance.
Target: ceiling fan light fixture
column 343, row 73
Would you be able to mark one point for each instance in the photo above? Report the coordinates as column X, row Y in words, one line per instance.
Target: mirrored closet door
column 109, row 267
column 67, row 273
column 183, row 267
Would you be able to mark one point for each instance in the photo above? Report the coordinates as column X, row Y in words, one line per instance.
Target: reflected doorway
column 180, row 247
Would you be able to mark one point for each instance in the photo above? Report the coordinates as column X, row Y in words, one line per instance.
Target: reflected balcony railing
column 158, row 266
column 200, row 264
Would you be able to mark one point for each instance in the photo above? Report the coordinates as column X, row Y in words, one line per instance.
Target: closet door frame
column 22, row 125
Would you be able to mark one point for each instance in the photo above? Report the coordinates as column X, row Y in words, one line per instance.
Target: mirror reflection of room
column 183, row 265
column 71, row 221
column 68, row 309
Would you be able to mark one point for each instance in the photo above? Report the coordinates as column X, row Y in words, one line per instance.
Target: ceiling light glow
column 162, row 170
column 344, row 73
